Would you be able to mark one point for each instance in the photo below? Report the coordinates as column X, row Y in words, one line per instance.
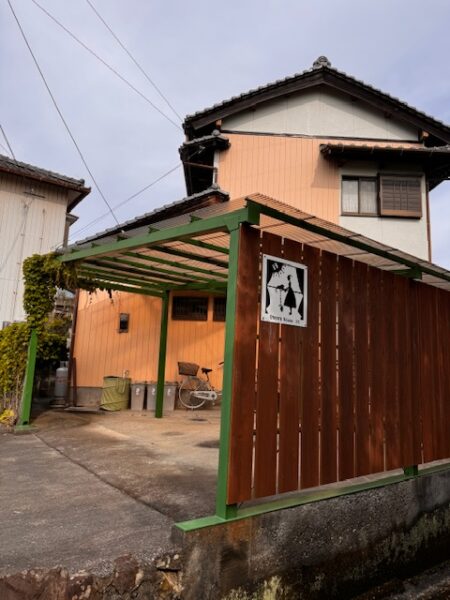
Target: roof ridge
column 213, row 189
column 322, row 64
column 17, row 163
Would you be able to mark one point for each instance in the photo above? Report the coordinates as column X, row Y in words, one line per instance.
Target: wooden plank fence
column 364, row 388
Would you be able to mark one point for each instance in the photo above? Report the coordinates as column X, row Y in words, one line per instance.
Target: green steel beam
column 223, row 510
column 263, row 209
column 225, row 222
column 119, row 276
column 409, row 273
column 162, row 356
column 123, row 288
column 307, row 497
column 209, row 260
column 411, row 471
column 205, row 287
column 172, row 263
column 121, row 265
column 207, row 246
column 112, row 271
column 27, row 394
column 146, row 269
column 107, row 277
column 146, row 283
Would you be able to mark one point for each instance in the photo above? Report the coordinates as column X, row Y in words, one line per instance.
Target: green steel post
column 223, row 510
column 411, row 471
column 162, row 356
column 27, row 394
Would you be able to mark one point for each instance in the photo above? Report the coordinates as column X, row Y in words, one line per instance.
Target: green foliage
column 13, row 356
column 43, row 274
column 52, row 341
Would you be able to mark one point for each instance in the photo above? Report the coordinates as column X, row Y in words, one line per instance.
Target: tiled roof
column 179, row 207
column 320, row 66
column 15, row 167
column 428, row 150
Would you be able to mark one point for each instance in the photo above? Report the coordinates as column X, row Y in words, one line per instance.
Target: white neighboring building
column 35, row 216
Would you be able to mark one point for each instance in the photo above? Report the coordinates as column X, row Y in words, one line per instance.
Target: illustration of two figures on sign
column 284, row 291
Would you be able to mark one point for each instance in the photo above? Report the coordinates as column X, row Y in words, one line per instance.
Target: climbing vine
column 43, row 275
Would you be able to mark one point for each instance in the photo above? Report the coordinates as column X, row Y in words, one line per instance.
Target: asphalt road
column 55, row 512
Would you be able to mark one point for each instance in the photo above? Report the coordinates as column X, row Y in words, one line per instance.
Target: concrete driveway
column 88, row 488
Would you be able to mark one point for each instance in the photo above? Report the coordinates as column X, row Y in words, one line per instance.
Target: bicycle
column 195, row 391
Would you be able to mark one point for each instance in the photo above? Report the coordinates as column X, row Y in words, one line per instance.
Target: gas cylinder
column 61, row 380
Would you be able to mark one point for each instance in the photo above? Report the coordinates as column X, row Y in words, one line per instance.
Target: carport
column 218, row 248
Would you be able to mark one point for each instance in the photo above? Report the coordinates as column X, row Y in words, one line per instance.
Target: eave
column 322, row 75
column 434, row 161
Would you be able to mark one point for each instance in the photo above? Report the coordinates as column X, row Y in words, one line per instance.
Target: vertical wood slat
column 345, row 381
column 377, row 334
column 391, row 368
column 404, row 357
column 392, row 387
column 362, row 458
column 438, row 368
column 415, row 372
column 444, row 325
column 328, row 447
column 310, row 403
column 267, row 395
column 427, row 386
column 244, row 362
column 290, row 388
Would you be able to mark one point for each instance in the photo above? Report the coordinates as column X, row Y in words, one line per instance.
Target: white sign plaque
column 284, row 297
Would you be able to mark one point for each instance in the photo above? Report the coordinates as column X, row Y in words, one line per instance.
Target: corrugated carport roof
column 190, row 251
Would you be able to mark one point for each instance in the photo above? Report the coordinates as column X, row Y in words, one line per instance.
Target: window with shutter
column 190, row 308
column 219, row 308
column 400, row 196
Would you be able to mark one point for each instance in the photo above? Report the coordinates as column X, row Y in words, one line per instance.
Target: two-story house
column 320, row 141
column 35, row 215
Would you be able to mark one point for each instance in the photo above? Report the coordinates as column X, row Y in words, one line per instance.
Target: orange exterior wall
column 100, row 350
column 290, row 169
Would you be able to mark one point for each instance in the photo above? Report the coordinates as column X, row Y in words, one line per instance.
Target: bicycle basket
column 187, row 368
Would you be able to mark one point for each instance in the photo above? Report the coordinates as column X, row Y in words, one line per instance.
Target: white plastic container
column 138, row 395
column 170, row 390
column 151, row 395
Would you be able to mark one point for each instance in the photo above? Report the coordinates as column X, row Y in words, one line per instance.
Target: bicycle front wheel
column 187, row 390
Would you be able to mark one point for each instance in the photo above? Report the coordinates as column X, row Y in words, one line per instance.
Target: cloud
column 199, row 53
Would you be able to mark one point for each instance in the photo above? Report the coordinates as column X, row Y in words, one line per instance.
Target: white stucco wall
column 29, row 224
column 406, row 234
column 320, row 112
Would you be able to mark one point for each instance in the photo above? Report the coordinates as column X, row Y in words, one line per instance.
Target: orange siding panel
column 100, row 350
column 289, row 169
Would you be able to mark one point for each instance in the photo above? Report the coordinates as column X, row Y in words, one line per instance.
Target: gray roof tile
column 318, row 68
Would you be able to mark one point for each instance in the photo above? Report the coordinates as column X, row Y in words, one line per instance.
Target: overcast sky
column 198, row 53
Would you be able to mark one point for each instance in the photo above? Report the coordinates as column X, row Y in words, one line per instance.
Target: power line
column 4, row 148
column 7, row 143
column 108, row 66
column 141, row 69
column 141, row 191
column 155, row 181
column 60, row 113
